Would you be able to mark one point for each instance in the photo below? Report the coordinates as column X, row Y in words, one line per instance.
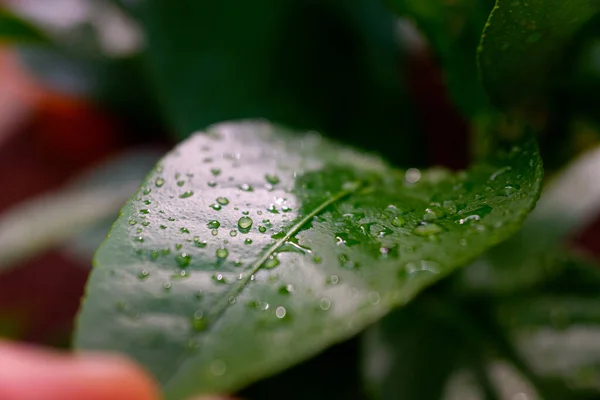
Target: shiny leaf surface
column 523, row 46
column 250, row 248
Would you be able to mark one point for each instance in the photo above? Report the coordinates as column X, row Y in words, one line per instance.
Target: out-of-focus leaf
column 411, row 353
column 43, row 222
column 454, row 29
column 250, row 248
column 328, row 65
column 15, row 30
column 523, row 47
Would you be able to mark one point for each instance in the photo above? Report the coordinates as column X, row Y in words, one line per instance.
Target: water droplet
column 271, row 262
column 187, row 194
column 232, row 299
column 272, row 209
column 199, row 243
column 159, row 182
column 219, row 278
column 183, row 260
column 215, row 171
column 184, row 230
column 398, row 222
column 262, row 229
column 147, row 191
column 144, row 211
column 167, row 286
column 346, row 262
column 427, row 229
column 222, row 253
column 248, row 241
column 245, row 223
column 154, row 255
column 139, row 239
column 325, row 303
column 144, row 274
column 218, row 368
column 332, row 280
column 216, row 207
column 280, row 312
column 213, row 224
column 233, row 233
column 214, row 232
column 272, row 179
column 470, row 218
column 199, row 324
column 374, row 298
column 509, row 190
column 500, row 172
column 178, row 246
column 432, row 213
column 180, row 183
column 132, row 222
column 145, row 223
column 246, row 188
column 287, row 289
column 317, row 259
column 211, row 184
column 412, row 175
column 171, row 219
column 223, row 201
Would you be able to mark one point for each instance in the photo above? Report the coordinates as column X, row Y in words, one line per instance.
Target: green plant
column 251, row 248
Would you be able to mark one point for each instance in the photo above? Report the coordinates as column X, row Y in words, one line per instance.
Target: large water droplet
column 222, row 253
column 280, row 312
column 272, row 179
column 432, row 213
column 223, row 201
column 213, row 224
column 245, row 223
column 183, row 260
column 398, row 222
column 159, row 182
column 427, row 229
column 271, row 262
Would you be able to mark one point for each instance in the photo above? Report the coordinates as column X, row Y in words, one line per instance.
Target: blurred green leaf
column 453, row 29
column 15, row 30
column 327, row 65
column 523, row 48
column 41, row 223
column 250, row 248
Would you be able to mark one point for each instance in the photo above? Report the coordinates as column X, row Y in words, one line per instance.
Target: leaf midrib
column 223, row 304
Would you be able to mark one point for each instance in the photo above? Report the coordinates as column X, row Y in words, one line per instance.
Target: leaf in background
column 249, row 249
column 411, row 353
column 523, row 46
column 41, row 223
column 14, row 30
column 226, row 60
column 453, row 29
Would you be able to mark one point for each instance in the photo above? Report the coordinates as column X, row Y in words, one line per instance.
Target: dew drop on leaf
column 187, row 194
column 223, row 201
column 262, row 229
column 144, row 274
column 245, row 223
column 280, row 312
column 271, row 262
column 427, row 229
column 272, row 179
column 159, row 182
column 213, row 224
column 183, row 260
column 222, row 253
column 246, row 188
column 398, row 222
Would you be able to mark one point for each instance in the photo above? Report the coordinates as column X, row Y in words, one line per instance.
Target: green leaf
column 249, row 249
column 213, row 61
column 16, row 30
column 453, row 29
column 523, row 46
